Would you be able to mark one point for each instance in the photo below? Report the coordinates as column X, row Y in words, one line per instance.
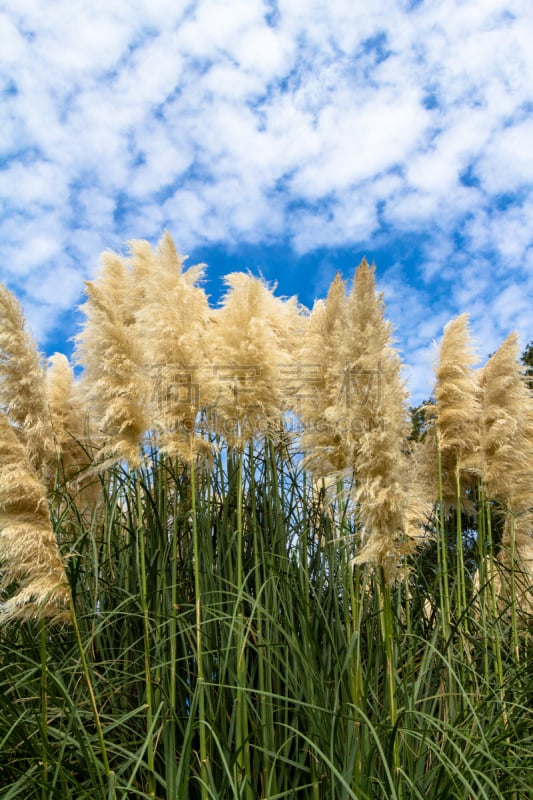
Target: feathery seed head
column 320, row 396
column 172, row 325
column 457, row 392
column 507, row 449
column 29, row 557
column 507, row 424
column 249, row 344
column 108, row 347
column 72, row 434
column 22, row 383
column 378, row 400
column 454, row 419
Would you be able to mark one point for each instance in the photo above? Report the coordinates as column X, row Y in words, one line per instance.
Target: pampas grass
column 67, row 412
column 234, row 636
column 507, row 430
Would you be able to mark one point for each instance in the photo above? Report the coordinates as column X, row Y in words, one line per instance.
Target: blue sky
column 287, row 136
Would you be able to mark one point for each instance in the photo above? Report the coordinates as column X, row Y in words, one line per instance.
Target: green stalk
column 44, row 710
column 140, row 532
column 271, row 514
column 110, row 775
column 483, row 558
column 304, row 563
column 460, row 577
column 491, row 572
column 202, row 722
column 495, row 623
column 514, row 629
column 315, row 784
column 170, row 738
column 460, row 597
column 263, row 699
column 442, row 558
column 514, row 616
column 241, row 731
column 387, row 638
column 353, row 575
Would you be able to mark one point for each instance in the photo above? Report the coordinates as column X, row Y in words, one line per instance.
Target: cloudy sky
column 292, row 137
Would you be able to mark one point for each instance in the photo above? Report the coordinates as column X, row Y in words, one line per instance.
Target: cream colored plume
column 376, row 402
column 507, row 456
column 73, row 438
column 33, row 583
column 22, row 383
column 507, row 428
column 455, row 418
column 67, row 412
column 457, row 393
column 114, row 380
column 319, row 395
column 251, row 348
column 172, row 322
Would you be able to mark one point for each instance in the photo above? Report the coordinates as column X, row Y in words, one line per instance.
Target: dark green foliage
column 419, row 420
column 527, row 360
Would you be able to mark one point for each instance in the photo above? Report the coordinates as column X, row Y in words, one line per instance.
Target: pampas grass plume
column 379, row 405
column 65, row 403
column 454, row 419
column 22, row 383
column 319, row 397
column 457, row 393
column 31, row 569
column 507, row 428
column 251, row 341
column 507, row 448
column 172, row 322
column 108, row 347
column 73, row 436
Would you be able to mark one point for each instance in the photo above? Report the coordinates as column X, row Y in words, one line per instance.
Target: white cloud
column 438, row 168
column 360, row 138
column 13, row 44
column 507, row 163
column 33, row 185
column 510, row 304
column 312, row 229
column 506, row 232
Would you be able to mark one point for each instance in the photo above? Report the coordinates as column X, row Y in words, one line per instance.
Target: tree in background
column 527, row 360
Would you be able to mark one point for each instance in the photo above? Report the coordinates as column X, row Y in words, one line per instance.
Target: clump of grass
column 236, row 633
